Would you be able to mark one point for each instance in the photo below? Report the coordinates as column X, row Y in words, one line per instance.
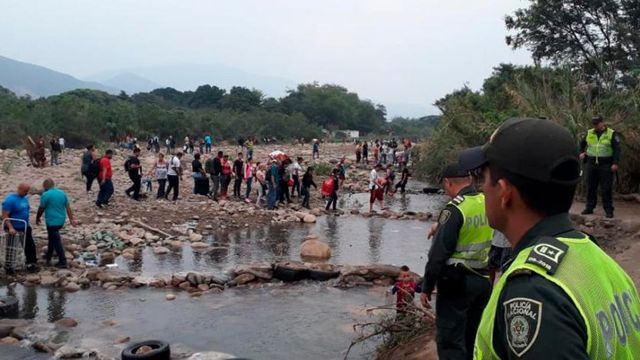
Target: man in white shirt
column 173, row 176
column 294, row 170
column 61, row 142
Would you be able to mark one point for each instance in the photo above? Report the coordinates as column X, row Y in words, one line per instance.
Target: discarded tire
column 288, row 274
column 320, row 275
column 9, row 307
column 159, row 351
column 430, row 190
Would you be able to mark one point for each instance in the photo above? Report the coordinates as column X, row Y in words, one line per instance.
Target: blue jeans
column 55, row 244
column 305, row 197
column 249, row 181
column 272, row 196
column 106, row 190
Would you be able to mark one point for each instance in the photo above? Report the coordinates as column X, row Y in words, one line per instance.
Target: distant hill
column 38, row 81
column 131, row 83
column 189, row 76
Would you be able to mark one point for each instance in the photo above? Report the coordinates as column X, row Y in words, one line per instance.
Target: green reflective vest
column 599, row 147
column 602, row 292
column 474, row 240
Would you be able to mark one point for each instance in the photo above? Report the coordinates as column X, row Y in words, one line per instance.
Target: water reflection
column 56, row 300
column 375, row 238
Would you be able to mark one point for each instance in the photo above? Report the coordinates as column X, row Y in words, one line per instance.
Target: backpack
column 127, row 165
column 327, row 187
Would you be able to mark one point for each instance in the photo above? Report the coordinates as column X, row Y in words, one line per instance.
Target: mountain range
column 37, row 81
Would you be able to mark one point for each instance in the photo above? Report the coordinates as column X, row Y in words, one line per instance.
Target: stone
column 199, row 245
column 9, row 340
column 69, row 352
column 185, row 285
column 113, row 276
column 39, row 346
column 161, row 250
column 315, row 249
column 72, row 287
column 195, row 237
column 107, row 258
column 309, row 219
column 122, row 340
column 48, row 280
column 244, row 279
column 67, row 322
column 108, row 323
column 170, row 297
column 136, row 241
column 143, row 350
column 203, row 287
column 33, row 278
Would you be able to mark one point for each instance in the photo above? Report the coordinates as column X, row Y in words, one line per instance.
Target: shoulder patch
column 548, row 254
column 444, row 216
column 458, row 200
column 522, row 317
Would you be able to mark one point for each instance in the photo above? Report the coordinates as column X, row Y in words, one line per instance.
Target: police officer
column 457, row 264
column 600, row 150
column 561, row 296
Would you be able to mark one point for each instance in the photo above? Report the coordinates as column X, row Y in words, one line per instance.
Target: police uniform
column 602, row 150
column 457, row 264
column 561, row 296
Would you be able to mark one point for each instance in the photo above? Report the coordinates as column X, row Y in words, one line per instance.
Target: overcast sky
column 390, row 51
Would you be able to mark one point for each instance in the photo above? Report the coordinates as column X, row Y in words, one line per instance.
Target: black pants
column 89, row 178
column 459, row 307
column 237, row 185
column 599, row 175
column 333, row 199
column 55, row 244
column 12, row 245
column 296, row 185
column 284, row 191
column 135, row 188
column 401, row 185
column 174, row 184
column 358, row 157
column 162, row 184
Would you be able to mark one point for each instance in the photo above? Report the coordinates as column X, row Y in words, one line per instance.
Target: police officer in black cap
column 457, row 264
column 600, row 150
column 561, row 296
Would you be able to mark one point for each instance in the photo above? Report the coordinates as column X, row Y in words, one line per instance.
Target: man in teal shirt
column 55, row 206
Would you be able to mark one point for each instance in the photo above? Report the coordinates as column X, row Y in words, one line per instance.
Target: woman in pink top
column 249, row 170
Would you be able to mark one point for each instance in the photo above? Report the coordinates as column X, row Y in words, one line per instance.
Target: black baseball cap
column 454, row 171
column 597, row 119
column 536, row 149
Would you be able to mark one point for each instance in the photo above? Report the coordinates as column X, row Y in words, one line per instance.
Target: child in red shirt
column 404, row 289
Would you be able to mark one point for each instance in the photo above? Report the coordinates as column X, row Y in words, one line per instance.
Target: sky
column 389, row 51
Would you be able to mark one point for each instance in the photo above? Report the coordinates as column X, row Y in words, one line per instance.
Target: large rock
column 48, row 280
column 244, row 279
column 309, row 219
column 315, row 249
column 161, row 250
column 67, row 322
column 194, row 237
column 72, row 287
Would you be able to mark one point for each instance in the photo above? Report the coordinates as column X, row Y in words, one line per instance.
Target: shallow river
column 306, row 320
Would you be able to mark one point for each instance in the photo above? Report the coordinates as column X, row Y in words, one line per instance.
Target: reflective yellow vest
column 602, row 292
column 599, row 147
column 474, row 240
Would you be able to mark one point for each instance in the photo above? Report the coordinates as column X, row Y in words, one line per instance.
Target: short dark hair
column 90, row 146
column 310, row 169
column 239, row 154
column 196, row 156
column 544, row 198
column 404, row 268
column 109, row 152
column 136, row 150
column 220, row 153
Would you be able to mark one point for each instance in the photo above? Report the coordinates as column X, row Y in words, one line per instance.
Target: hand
column 12, row 231
column 582, row 155
column 74, row 222
column 432, row 230
column 37, row 221
column 102, row 182
column 614, row 168
column 425, row 299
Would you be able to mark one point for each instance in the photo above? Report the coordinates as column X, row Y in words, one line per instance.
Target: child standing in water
column 405, row 288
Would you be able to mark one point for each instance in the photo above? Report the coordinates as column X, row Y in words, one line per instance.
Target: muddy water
column 353, row 239
column 306, row 320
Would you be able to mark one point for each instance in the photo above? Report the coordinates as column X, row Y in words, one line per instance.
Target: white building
column 351, row 134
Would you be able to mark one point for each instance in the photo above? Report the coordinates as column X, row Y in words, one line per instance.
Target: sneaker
column 587, row 212
column 32, row 268
column 9, row 272
column 609, row 215
column 101, row 206
column 61, row 266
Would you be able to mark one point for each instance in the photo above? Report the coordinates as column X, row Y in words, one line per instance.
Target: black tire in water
column 161, row 351
column 288, row 274
column 9, row 307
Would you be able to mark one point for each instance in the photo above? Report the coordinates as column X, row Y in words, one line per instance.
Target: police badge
column 523, row 318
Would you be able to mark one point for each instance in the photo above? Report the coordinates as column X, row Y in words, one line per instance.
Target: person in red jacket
column 405, row 288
